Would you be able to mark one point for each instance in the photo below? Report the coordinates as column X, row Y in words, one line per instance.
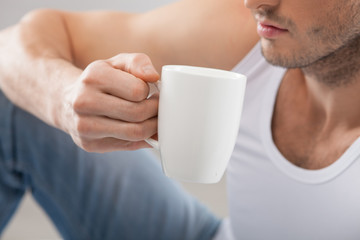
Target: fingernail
column 148, row 70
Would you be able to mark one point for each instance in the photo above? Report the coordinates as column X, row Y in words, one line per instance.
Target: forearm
column 103, row 107
column 48, row 67
column 36, row 62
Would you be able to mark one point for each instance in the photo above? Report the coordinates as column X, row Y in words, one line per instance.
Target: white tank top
column 269, row 197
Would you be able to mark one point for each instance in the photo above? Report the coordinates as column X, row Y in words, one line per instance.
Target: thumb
column 137, row 64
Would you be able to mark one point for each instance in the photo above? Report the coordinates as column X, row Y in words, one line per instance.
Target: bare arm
column 31, row 56
column 104, row 107
column 209, row 33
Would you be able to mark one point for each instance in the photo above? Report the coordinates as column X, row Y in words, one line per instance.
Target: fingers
column 108, row 106
column 103, row 77
column 124, row 76
column 116, row 108
column 137, row 64
column 109, row 144
column 94, row 127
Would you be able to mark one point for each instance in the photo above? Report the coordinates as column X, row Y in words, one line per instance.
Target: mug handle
column 154, row 88
column 154, row 143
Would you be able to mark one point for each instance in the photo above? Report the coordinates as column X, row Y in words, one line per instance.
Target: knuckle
column 86, row 145
column 139, row 91
column 138, row 58
column 82, row 126
column 81, row 103
column 135, row 60
column 83, row 143
column 138, row 132
column 89, row 146
column 95, row 65
column 90, row 75
column 137, row 113
column 132, row 146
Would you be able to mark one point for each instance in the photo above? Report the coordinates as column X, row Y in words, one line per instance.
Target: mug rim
column 205, row 71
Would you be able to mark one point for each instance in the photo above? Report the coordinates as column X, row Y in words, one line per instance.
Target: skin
column 315, row 119
column 73, row 70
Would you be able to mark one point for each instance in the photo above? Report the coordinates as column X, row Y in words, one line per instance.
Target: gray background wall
column 12, row 10
column 30, row 222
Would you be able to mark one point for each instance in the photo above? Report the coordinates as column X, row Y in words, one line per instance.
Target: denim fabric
column 119, row 195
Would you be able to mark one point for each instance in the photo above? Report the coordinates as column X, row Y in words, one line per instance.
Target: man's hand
column 107, row 108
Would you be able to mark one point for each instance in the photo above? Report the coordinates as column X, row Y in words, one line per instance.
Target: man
column 294, row 173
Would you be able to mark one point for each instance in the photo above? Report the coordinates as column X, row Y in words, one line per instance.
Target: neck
column 333, row 85
column 338, row 69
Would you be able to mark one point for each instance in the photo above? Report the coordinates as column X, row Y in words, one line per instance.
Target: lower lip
column 269, row 32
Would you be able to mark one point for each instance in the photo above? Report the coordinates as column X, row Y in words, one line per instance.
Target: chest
column 300, row 144
column 286, row 202
column 299, row 134
column 263, row 198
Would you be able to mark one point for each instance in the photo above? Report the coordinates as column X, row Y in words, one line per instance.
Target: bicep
column 99, row 35
column 209, row 33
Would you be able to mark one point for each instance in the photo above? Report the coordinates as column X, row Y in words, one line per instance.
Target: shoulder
column 207, row 33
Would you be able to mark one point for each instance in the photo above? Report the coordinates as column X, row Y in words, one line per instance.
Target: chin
column 274, row 57
column 282, row 55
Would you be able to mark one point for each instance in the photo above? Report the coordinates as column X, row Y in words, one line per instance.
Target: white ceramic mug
column 198, row 121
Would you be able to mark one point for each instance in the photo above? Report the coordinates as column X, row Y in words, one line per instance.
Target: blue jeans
column 119, row 195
